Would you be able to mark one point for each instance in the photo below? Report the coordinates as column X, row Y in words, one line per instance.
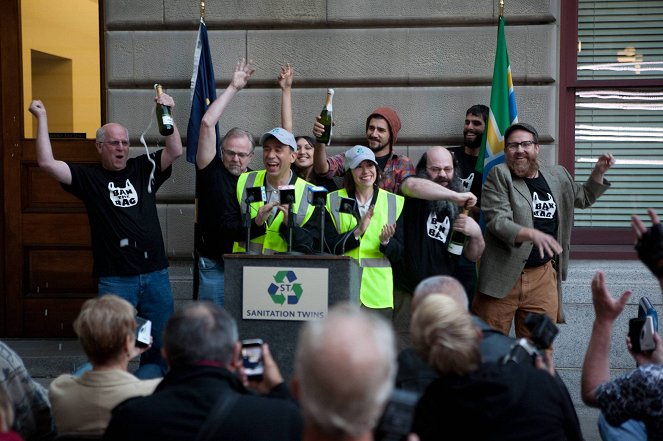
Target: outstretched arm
column 174, row 147
column 596, row 369
column 421, row 188
column 285, row 83
column 57, row 169
column 207, row 138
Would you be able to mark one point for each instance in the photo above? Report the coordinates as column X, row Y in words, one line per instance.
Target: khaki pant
column 534, row 291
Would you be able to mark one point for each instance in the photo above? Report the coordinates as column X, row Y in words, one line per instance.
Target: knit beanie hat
column 392, row 119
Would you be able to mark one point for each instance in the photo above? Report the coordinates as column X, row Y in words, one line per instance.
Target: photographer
column 634, row 399
column 496, row 401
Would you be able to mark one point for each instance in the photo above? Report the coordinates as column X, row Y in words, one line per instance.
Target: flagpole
column 501, row 8
column 196, row 230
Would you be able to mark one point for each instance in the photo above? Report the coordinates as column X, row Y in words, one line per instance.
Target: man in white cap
column 270, row 217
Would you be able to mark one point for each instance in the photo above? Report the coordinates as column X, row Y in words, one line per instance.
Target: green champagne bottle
column 326, row 119
column 457, row 241
column 164, row 117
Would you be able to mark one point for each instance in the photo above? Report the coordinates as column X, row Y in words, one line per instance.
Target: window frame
column 587, row 242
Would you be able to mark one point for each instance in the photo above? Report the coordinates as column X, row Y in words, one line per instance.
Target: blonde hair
column 103, row 325
column 445, row 336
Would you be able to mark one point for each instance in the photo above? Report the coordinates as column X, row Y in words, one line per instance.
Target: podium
column 271, row 296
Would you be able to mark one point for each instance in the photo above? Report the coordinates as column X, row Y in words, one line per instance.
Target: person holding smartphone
column 631, row 403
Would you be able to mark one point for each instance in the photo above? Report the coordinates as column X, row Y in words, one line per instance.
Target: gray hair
column 236, row 132
column 345, row 366
column 446, row 285
column 100, row 136
column 200, row 331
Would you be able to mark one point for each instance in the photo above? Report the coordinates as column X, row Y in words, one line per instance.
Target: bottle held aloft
column 164, row 117
column 326, row 119
column 457, row 241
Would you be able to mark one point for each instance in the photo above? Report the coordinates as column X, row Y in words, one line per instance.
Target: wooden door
column 46, row 263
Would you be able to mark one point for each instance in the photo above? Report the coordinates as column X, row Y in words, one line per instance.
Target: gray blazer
column 507, row 206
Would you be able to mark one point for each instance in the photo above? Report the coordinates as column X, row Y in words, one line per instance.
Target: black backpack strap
column 219, row 413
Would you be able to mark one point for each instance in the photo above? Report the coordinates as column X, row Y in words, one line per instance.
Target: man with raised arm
column 119, row 194
column 216, row 181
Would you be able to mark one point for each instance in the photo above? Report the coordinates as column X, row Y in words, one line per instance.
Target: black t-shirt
column 126, row 235
column 219, row 222
column 382, row 161
column 544, row 213
column 425, row 245
column 470, row 178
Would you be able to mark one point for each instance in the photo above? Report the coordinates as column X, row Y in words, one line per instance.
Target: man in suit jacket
column 528, row 208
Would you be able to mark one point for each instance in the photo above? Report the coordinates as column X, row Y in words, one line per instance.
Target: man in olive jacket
column 528, row 209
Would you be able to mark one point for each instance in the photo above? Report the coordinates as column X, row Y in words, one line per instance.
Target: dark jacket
column 184, row 399
column 497, row 402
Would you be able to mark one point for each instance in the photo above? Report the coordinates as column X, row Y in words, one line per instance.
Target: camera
column 252, row 359
column 641, row 329
column 542, row 333
column 396, row 421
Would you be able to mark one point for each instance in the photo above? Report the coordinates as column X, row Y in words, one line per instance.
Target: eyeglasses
column 514, row 145
column 117, row 143
column 240, row 155
column 438, row 170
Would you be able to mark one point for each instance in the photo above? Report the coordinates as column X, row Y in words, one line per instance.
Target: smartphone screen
column 252, row 359
column 143, row 332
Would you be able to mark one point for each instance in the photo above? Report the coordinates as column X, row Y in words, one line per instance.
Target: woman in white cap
column 368, row 229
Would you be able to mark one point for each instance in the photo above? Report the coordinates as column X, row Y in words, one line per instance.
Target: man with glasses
column 216, row 183
column 120, row 197
column 528, row 208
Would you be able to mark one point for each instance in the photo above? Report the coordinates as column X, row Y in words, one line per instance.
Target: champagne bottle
column 164, row 117
column 326, row 119
column 457, row 241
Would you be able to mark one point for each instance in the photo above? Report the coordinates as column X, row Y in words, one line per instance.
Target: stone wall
column 430, row 60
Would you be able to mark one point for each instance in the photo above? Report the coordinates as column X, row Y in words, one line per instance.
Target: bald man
column 431, row 213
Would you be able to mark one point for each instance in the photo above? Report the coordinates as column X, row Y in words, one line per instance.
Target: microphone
column 255, row 194
column 286, row 194
column 287, row 197
column 349, row 206
column 317, row 196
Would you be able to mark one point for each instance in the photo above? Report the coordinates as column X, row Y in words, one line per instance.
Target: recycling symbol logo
column 285, row 289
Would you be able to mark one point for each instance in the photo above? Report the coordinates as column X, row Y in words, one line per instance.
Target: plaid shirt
column 398, row 167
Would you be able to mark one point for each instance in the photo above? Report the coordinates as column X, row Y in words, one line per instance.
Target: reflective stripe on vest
column 375, row 262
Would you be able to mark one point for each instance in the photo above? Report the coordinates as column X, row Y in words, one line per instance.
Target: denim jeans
column 152, row 297
column 630, row 430
column 211, row 279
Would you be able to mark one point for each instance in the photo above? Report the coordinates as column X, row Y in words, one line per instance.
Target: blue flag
column 203, row 92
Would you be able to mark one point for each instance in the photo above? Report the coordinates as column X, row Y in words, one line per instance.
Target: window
column 611, row 100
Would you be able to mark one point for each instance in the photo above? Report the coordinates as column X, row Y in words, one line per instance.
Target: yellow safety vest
column 376, row 276
column 271, row 242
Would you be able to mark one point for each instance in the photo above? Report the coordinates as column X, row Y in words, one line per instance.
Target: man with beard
column 216, row 181
column 528, row 209
column 382, row 127
column 466, row 154
column 429, row 225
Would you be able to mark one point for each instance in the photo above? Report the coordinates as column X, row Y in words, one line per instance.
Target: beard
column 524, row 169
column 443, row 208
column 472, row 143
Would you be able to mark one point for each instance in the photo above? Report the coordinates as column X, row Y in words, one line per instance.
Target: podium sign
column 284, row 293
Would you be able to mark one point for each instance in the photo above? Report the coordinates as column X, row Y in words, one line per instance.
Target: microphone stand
column 247, row 223
column 291, row 224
